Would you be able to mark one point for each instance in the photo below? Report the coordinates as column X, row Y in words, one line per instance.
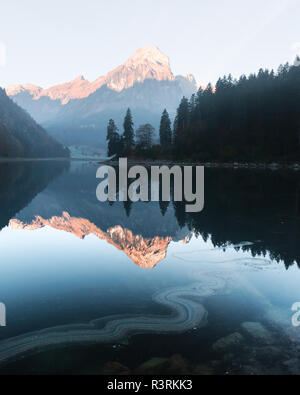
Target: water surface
column 95, row 288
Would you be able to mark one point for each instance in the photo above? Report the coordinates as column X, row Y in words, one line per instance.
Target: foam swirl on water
column 185, row 314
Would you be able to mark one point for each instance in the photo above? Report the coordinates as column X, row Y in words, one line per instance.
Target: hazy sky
column 47, row 42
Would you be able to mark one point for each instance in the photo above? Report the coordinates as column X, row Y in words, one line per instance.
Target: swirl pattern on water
column 185, row 314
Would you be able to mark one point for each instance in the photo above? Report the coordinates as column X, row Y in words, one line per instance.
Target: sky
column 50, row 42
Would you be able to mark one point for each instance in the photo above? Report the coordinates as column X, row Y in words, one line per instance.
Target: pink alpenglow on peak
column 146, row 63
column 144, row 252
column 76, row 89
column 33, row 90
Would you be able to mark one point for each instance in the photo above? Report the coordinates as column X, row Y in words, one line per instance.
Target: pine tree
column 113, row 138
column 165, row 132
column 128, row 135
column 181, row 121
column 144, row 136
column 163, row 207
column 127, row 206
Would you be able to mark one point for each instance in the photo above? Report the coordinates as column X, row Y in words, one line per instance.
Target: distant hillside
column 21, row 136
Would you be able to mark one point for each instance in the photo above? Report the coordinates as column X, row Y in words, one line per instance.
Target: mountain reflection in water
column 257, row 206
column 67, row 274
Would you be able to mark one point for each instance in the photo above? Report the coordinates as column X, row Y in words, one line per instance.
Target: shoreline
column 4, row 160
column 148, row 162
column 225, row 165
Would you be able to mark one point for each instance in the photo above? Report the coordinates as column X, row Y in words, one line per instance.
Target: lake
column 125, row 288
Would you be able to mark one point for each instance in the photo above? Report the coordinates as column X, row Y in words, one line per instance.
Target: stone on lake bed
column 293, row 366
column 152, row 366
column 178, row 365
column 175, row 365
column 228, row 342
column 257, row 332
column 270, row 354
column 203, row 370
column 115, row 368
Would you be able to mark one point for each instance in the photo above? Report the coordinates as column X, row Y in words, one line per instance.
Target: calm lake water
column 97, row 288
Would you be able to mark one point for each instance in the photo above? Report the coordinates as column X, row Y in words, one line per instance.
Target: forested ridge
column 21, row 136
column 254, row 118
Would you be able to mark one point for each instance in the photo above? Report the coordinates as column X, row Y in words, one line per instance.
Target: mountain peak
column 146, row 63
column 33, row 90
column 151, row 54
column 79, row 78
column 191, row 79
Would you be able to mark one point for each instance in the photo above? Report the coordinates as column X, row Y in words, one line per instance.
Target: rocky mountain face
column 146, row 63
column 77, row 112
column 21, row 136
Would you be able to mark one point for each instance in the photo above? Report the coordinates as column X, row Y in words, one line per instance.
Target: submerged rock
column 257, row 332
column 292, row 365
column 178, row 365
column 229, row 342
column 269, row 354
column 203, row 370
column 248, row 370
column 175, row 365
column 152, row 366
column 115, row 368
